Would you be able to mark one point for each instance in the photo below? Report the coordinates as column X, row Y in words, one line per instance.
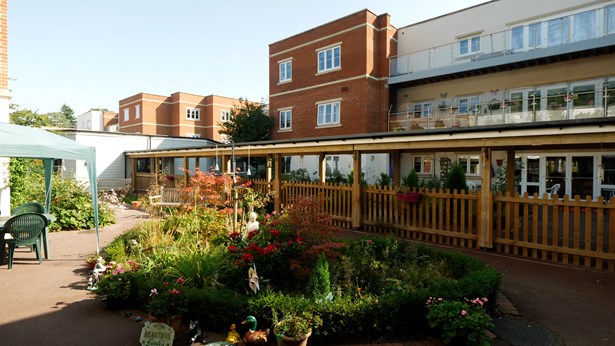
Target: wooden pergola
column 589, row 134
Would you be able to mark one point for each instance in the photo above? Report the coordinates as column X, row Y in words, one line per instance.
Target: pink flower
column 174, row 291
column 180, row 280
column 153, row 292
column 463, row 312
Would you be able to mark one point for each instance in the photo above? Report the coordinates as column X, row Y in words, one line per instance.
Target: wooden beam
column 396, row 167
column 322, row 172
column 277, row 182
column 356, row 190
column 485, row 236
column 186, row 169
column 510, row 171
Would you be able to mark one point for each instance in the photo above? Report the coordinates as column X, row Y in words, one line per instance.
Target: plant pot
column 135, row 204
column 410, row 197
column 283, row 340
column 174, row 321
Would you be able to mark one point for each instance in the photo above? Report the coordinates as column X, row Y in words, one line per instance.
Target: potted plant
column 167, row 304
column 295, row 328
column 116, row 287
column 409, row 189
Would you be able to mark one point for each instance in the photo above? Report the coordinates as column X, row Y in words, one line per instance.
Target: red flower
column 275, row 232
column 232, row 248
column 235, row 235
column 252, row 234
column 247, row 257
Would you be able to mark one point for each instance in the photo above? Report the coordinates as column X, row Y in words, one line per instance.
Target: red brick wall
column 360, row 84
column 4, row 61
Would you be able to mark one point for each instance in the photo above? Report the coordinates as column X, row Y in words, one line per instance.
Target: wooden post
column 485, row 236
column 186, row 168
column 356, row 190
column 396, row 168
column 510, row 171
column 277, row 183
column 134, row 175
column 322, row 160
column 269, row 174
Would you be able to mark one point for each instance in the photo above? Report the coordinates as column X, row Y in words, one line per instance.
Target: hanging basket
column 409, row 197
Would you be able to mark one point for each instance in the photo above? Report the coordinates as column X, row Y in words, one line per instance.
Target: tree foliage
column 249, row 122
column 64, row 118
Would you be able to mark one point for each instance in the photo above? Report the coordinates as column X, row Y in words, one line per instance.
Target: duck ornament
column 253, row 336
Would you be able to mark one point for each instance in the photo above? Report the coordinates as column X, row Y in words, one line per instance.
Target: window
column 329, row 59
column 286, row 160
column 468, row 105
column 610, row 19
column 470, row 164
column 421, row 110
column 225, row 115
column 469, row 45
column 328, row 113
column 193, row 114
column 534, row 35
column 286, row 73
column 143, row 165
column 137, row 111
column 126, row 114
column 286, row 117
column 584, row 26
column 516, row 39
column 557, row 31
column 423, row 164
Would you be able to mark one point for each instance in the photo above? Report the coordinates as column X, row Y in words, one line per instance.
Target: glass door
column 582, row 176
column 556, row 173
column 533, row 175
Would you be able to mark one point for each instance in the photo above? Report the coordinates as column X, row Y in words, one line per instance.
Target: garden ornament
column 253, row 279
column 96, row 274
column 252, row 222
column 253, row 336
column 233, row 337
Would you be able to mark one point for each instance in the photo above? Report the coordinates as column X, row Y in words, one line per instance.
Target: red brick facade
column 4, row 56
column 167, row 115
column 366, row 42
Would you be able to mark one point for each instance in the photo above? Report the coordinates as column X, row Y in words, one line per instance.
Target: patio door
column 556, row 173
column 582, row 176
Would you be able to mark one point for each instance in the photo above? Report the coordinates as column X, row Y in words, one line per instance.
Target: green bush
column 456, row 178
column 320, row 285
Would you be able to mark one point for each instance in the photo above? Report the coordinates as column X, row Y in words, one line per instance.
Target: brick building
column 331, row 80
column 181, row 114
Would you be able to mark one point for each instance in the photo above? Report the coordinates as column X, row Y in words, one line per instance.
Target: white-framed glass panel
column 286, row 74
column 328, row 113
column 556, row 173
column 522, row 105
column 137, row 111
column 329, row 59
column 469, row 45
column 534, row 35
column 470, row 164
column 421, row 110
column 286, row 161
column 582, row 176
column 468, row 105
column 516, row 38
column 610, row 19
column 584, row 26
column 610, row 97
column 557, row 31
column 286, row 119
column 423, row 164
column 585, row 98
column 532, row 174
column 193, row 113
column 126, row 114
column 225, row 115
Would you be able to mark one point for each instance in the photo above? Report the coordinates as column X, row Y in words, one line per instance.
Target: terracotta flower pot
column 283, row 340
column 135, row 204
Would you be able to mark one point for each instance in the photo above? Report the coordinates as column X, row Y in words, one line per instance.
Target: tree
column 64, row 118
column 249, row 123
column 26, row 117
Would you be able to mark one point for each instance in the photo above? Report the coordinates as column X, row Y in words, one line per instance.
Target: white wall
column 5, row 191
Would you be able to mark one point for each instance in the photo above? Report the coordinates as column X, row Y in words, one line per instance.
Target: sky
column 93, row 53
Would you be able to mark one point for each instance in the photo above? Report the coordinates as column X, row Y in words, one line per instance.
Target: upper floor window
column 225, row 115
column 534, row 35
column 557, row 31
column 421, row 110
column 286, row 71
column 516, row 38
column 329, row 59
column 328, row 113
column 469, row 45
column 286, row 117
column 610, row 19
column 468, row 104
column 126, row 114
column 193, row 114
column 584, row 26
column 137, row 111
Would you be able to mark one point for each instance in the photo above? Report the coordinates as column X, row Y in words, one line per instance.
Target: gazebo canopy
column 35, row 143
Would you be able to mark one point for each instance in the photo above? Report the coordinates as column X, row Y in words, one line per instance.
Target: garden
column 292, row 274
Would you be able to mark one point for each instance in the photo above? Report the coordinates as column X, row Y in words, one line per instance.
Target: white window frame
column 126, row 114
column 421, row 109
column 285, row 69
column 564, row 29
column 536, row 41
column 225, row 115
column 469, row 159
column 137, row 111
column 576, row 29
column 333, row 108
column 473, row 45
column 471, row 103
column 517, row 33
column 286, row 116
column 326, row 63
column 610, row 21
column 423, row 159
column 193, row 114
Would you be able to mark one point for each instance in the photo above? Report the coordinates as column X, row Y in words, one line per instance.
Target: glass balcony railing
column 553, row 107
column 533, row 37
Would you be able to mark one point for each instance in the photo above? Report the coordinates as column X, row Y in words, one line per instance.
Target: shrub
column 320, row 285
column 411, row 181
column 384, row 180
column 456, row 178
column 460, row 322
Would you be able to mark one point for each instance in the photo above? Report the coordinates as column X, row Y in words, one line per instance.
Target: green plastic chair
column 29, row 207
column 25, row 230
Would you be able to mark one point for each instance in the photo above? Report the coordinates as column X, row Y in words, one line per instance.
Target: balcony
column 494, row 53
column 552, row 107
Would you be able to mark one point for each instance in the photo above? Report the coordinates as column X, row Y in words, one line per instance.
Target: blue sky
column 93, row 53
